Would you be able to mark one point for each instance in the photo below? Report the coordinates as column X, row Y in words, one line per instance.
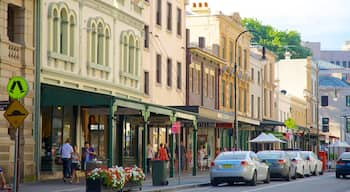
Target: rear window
column 272, row 155
column 345, row 156
column 230, row 156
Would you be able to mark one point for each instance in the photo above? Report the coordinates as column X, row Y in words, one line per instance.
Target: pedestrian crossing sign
column 17, row 87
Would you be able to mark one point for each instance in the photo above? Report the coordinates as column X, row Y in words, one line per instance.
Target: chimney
column 287, row 55
column 200, row 8
column 201, row 42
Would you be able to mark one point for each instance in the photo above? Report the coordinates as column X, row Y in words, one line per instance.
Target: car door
column 260, row 166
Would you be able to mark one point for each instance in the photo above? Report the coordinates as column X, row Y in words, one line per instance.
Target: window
column 71, row 36
column 325, row 124
column 337, row 63
column 130, row 53
column 55, row 31
column 245, row 62
column 223, row 87
column 64, row 32
column 244, row 101
column 198, row 81
column 146, row 84
column 252, row 106
column 252, row 74
column 231, row 98
column 324, row 101
column 179, row 22
column 206, row 87
column 223, row 47
column 179, row 75
column 159, row 12
column 159, row 68
column 100, row 41
column 169, row 16
column 231, row 52
column 344, row 64
column 191, row 79
column 239, row 56
column 258, row 77
column 347, row 126
column 347, row 100
column 258, row 105
column 212, row 85
column 169, row 72
column 146, row 36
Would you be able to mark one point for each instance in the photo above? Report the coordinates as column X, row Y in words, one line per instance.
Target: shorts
column 75, row 166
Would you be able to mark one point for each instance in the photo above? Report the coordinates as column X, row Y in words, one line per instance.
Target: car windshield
column 345, row 156
column 231, row 156
column 270, row 155
column 292, row 154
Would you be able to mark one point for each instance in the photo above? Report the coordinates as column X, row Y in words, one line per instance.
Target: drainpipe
column 37, row 62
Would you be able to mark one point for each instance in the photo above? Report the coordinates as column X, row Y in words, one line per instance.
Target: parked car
column 238, row 166
column 315, row 165
column 343, row 165
column 279, row 163
column 302, row 166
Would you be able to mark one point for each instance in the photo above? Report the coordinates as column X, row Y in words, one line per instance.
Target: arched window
column 131, row 53
column 107, row 35
column 93, row 43
column 64, row 32
column 55, row 36
column 100, row 46
column 71, row 36
column 125, row 53
column 137, row 58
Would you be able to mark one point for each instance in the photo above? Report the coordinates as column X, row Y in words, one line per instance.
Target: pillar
column 172, row 148
column 145, row 115
column 194, row 150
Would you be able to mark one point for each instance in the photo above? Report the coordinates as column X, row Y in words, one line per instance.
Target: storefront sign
column 175, row 128
column 15, row 114
column 17, row 87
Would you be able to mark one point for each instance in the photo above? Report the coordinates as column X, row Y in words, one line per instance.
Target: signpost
column 15, row 113
column 176, row 129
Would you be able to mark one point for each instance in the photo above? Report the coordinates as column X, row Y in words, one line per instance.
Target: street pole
column 317, row 111
column 235, row 96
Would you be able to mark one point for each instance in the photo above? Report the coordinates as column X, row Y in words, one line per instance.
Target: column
column 145, row 115
column 172, row 147
column 111, row 134
column 194, row 150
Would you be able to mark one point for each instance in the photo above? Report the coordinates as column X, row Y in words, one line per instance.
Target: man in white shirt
column 66, row 155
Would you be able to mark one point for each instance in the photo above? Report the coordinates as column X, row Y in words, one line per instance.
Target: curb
column 177, row 187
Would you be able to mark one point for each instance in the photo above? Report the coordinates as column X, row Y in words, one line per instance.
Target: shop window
column 347, row 100
column 324, row 101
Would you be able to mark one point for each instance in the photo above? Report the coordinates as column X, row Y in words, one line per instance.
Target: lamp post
column 235, row 89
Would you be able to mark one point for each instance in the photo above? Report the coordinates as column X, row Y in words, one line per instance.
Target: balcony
column 13, row 52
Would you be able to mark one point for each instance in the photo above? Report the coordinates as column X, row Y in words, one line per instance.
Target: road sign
column 17, row 87
column 4, row 105
column 15, row 114
column 175, row 128
column 290, row 123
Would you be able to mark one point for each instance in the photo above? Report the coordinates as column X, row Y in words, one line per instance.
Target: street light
column 235, row 89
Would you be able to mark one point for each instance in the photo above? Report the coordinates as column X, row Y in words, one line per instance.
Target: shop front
column 78, row 115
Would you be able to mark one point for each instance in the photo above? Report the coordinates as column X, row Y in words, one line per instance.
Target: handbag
column 58, row 161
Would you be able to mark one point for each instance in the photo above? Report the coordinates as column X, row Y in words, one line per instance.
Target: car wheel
column 303, row 173
column 321, row 173
column 337, row 175
column 289, row 176
column 267, row 180
column 316, row 173
column 253, row 181
column 214, row 183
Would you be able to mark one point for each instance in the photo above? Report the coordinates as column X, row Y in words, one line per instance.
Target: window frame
column 158, row 68
column 324, row 100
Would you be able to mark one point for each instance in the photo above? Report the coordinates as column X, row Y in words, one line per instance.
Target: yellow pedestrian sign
column 290, row 123
column 15, row 114
column 17, row 87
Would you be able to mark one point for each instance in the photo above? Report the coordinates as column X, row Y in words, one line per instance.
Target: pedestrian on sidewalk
column 66, row 155
column 3, row 180
column 183, row 155
column 88, row 154
column 150, row 155
column 162, row 153
column 202, row 156
column 75, row 164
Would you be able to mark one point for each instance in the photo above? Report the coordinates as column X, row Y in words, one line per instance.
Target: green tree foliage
column 275, row 40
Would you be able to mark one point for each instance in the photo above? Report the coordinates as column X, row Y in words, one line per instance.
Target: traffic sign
column 15, row 114
column 175, row 128
column 290, row 123
column 17, row 87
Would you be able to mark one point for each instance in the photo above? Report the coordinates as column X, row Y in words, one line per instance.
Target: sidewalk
column 186, row 181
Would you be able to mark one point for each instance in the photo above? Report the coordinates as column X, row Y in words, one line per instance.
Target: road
column 325, row 183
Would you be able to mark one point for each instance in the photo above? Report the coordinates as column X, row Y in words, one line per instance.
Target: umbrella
column 264, row 138
column 275, row 138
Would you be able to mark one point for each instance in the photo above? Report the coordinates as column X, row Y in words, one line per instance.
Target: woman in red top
column 162, row 154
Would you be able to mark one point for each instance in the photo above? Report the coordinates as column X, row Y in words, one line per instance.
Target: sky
column 325, row 21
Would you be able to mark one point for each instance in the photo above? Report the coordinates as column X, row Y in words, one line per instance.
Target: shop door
column 130, row 144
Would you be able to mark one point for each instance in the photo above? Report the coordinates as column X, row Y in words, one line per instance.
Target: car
column 279, row 163
column 315, row 165
column 343, row 165
column 302, row 166
column 238, row 166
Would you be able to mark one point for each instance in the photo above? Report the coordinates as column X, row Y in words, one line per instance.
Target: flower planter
column 93, row 185
column 132, row 185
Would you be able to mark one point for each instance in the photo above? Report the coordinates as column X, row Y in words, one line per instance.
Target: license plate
column 227, row 166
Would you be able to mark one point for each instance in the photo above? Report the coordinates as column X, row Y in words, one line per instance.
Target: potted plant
column 134, row 178
column 94, row 180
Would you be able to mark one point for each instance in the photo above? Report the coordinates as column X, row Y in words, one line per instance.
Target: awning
column 267, row 122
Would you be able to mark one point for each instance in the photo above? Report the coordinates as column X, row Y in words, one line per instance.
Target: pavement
column 186, row 181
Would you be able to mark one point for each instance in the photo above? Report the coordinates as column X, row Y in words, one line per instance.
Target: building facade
column 17, row 59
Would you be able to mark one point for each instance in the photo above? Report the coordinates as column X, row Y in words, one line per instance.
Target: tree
column 275, row 40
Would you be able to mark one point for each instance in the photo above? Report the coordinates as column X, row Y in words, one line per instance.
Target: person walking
column 75, row 164
column 66, row 155
column 3, row 180
column 162, row 153
column 150, row 155
column 182, row 155
column 202, row 155
column 88, row 154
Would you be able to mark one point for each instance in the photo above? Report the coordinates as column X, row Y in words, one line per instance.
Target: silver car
column 301, row 164
column 314, row 163
column 279, row 163
column 238, row 166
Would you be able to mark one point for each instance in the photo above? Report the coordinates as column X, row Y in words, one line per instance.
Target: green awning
column 54, row 95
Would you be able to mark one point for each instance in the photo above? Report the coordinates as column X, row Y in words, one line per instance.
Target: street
column 324, row 183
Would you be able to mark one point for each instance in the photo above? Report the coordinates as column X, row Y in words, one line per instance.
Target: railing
column 14, row 52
